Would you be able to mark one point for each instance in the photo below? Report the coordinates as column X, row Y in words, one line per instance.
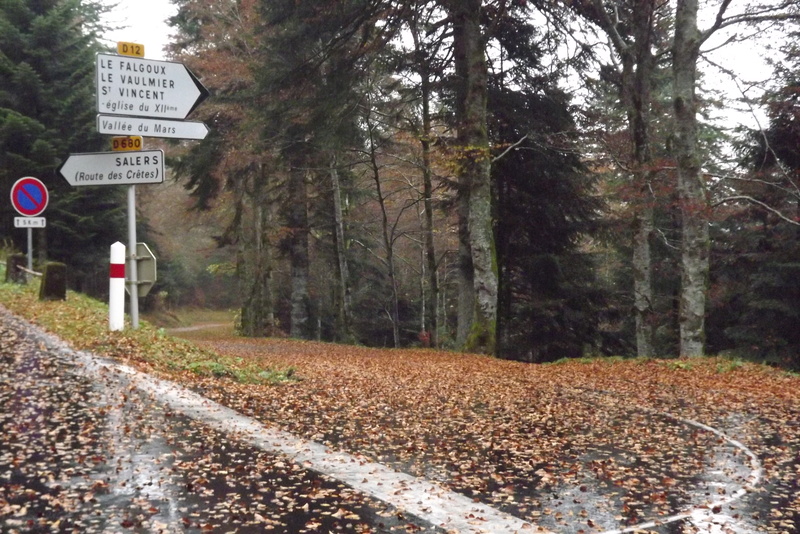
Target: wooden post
column 13, row 272
column 54, row 282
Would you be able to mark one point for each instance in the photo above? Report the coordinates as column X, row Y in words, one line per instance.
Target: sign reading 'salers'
column 114, row 168
column 146, row 88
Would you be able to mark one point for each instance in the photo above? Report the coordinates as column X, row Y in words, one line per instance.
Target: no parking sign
column 29, row 196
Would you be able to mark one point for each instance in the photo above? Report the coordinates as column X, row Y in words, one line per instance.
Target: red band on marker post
column 117, row 270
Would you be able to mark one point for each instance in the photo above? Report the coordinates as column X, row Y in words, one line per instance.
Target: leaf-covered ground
column 582, row 446
column 543, row 441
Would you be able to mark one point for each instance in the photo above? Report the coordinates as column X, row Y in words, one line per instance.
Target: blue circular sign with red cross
column 29, row 196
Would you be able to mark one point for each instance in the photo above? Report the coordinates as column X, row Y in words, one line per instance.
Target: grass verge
column 83, row 322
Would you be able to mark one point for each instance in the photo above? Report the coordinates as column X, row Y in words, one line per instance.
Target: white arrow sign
column 146, row 88
column 113, row 125
column 114, row 168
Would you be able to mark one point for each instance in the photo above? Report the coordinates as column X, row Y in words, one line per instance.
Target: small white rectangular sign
column 30, row 222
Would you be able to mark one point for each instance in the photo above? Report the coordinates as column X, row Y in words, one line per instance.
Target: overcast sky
column 143, row 22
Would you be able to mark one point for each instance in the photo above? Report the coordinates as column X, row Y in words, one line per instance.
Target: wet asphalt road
column 84, row 448
column 78, row 454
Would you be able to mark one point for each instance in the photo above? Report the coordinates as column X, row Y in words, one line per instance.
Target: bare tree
column 694, row 198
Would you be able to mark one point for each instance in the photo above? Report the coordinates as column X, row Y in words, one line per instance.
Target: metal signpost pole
column 30, row 253
column 133, row 275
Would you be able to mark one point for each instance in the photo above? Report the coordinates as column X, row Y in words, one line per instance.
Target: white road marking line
column 419, row 497
column 702, row 515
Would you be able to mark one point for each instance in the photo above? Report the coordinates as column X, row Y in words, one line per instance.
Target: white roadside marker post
column 116, row 288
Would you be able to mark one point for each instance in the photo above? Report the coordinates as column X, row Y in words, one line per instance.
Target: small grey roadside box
column 146, row 269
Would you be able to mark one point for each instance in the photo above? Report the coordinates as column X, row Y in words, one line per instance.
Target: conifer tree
column 315, row 56
column 756, row 272
column 47, row 111
column 549, row 303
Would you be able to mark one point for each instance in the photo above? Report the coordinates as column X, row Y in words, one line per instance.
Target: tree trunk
column 635, row 46
column 474, row 166
column 254, row 263
column 427, row 185
column 431, row 305
column 342, row 292
column 695, row 241
column 388, row 241
column 643, row 281
column 466, row 286
column 297, row 222
column 638, row 83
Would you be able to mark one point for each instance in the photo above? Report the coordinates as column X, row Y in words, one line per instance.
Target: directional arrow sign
column 146, row 88
column 114, row 168
column 113, row 125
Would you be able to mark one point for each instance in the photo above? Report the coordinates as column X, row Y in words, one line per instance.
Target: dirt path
column 196, row 327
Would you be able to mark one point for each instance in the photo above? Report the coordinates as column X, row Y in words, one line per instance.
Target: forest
column 534, row 180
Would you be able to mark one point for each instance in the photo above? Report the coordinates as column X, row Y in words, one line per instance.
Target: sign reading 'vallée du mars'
column 165, row 128
column 146, row 88
column 114, row 168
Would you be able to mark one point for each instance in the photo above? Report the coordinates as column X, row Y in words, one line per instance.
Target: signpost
column 137, row 97
column 146, row 88
column 29, row 197
column 114, row 168
column 146, row 270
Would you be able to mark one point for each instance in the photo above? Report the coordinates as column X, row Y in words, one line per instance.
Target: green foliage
column 482, row 338
column 222, row 269
column 756, row 274
column 244, row 375
column 209, row 368
column 273, row 376
column 755, row 289
column 592, row 359
column 680, row 365
column 730, row 365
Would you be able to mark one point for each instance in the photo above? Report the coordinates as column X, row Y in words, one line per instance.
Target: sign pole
column 152, row 98
column 30, row 252
column 133, row 276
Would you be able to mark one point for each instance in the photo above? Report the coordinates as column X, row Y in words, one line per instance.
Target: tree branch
column 757, row 202
column 509, row 149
